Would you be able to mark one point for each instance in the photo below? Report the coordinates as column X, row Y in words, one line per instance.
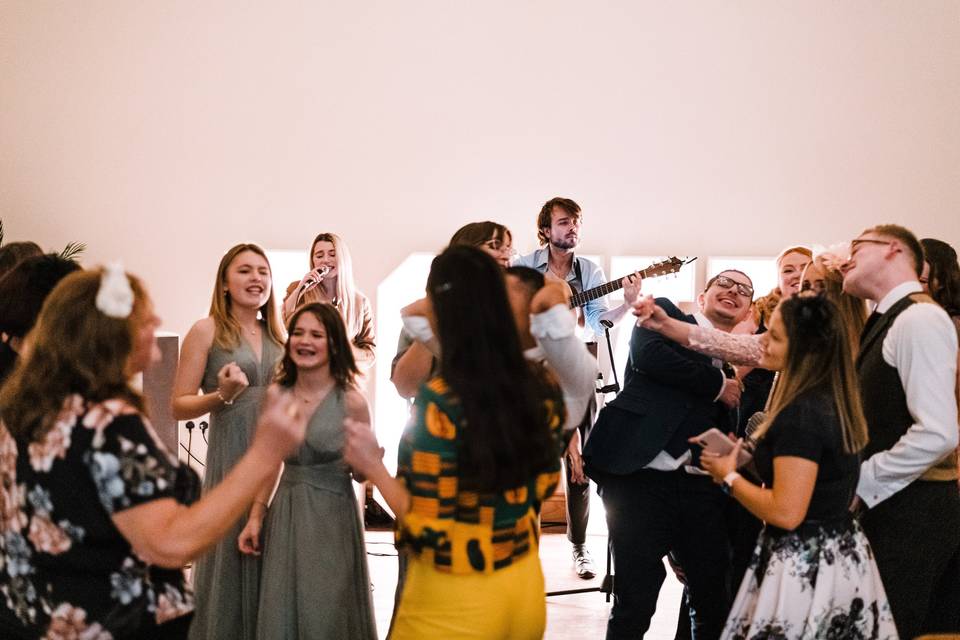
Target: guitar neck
column 582, row 298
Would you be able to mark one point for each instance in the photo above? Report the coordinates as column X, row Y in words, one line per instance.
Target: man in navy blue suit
column 647, row 471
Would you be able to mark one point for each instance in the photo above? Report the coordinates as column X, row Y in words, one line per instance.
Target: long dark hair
column 944, row 280
column 819, row 356
column 343, row 366
column 504, row 438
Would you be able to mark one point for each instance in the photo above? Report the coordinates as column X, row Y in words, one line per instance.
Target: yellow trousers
column 509, row 603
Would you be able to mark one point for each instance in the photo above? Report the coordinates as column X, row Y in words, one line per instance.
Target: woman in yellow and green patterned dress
column 480, row 455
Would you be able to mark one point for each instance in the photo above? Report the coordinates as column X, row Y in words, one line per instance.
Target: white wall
column 164, row 132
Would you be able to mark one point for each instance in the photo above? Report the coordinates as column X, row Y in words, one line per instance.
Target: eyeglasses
column 724, row 282
column 857, row 242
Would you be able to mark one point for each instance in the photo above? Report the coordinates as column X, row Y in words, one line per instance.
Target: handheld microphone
column 322, row 271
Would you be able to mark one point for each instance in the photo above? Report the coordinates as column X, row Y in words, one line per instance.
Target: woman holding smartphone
column 812, row 573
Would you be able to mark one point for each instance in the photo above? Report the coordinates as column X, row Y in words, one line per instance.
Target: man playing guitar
column 558, row 227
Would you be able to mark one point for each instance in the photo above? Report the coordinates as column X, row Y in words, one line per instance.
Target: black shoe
column 582, row 562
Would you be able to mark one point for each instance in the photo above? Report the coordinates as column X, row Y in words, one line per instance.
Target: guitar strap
column 591, row 346
column 579, row 272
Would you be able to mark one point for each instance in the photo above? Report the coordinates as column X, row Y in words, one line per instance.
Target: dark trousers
column 743, row 528
column 915, row 536
column 578, row 495
column 651, row 513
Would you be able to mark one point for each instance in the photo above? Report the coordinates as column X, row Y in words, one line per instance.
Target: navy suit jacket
column 667, row 388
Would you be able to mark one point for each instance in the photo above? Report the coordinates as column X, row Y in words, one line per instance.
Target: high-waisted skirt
column 817, row 581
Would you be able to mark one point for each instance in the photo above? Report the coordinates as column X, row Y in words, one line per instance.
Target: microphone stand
column 606, row 585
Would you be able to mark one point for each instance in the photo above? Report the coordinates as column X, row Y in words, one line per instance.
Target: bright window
column 678, row 287
column 401, row 287
column 287, row 267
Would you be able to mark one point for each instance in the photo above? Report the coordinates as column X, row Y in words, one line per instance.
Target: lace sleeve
column 742, row 349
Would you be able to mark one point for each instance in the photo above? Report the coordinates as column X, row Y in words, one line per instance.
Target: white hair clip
column 115, row 297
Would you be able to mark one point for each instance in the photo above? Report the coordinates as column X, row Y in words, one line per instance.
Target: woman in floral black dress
column 812, row 574
column 94, row 526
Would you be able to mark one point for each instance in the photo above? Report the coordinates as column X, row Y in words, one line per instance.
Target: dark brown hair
column 13, row 252
column 944, row 279
column 504, row 439
column 545, row 219
column 24, row 288
column 343, row 366
column 73, row 349
column 475, row 234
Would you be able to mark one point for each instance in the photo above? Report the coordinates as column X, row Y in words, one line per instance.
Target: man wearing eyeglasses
column 656, row 499
column 907, row 368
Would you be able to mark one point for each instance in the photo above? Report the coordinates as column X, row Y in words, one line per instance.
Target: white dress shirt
column 922, row 346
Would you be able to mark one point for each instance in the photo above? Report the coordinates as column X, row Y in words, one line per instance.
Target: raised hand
column 310, row 280
column 231, row 381
column 281, row 426
column 649, row 314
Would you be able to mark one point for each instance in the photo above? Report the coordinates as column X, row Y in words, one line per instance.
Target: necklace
column 308, row 400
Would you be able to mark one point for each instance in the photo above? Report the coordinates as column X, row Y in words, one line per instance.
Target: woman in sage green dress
column 231, row 356
column 314, row 581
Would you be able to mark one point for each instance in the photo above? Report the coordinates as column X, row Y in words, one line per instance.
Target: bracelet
column 224, row 400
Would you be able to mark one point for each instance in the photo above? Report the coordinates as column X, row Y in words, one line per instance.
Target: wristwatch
column 727, row 485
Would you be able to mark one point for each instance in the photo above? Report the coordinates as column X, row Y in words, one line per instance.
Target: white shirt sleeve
column 569, row 359
column 922, row 346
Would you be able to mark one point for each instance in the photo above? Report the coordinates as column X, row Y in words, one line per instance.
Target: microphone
column 753, row 423
column 322, row 271
column 606, row 323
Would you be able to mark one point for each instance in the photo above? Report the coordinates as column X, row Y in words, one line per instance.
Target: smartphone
column 714, row 441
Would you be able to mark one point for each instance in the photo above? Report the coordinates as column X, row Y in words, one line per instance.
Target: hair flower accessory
column 115, row 297
column 834, row 256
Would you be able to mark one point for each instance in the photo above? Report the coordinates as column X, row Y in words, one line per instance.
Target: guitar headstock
column 666, row 267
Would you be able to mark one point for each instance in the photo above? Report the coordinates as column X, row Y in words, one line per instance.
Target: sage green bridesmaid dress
column 314, row 581
column 225, row 581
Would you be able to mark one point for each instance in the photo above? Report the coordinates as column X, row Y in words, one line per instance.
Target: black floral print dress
column 65, row 569
column 819, row 580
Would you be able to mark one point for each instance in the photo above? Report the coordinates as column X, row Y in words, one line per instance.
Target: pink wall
column 163, row 132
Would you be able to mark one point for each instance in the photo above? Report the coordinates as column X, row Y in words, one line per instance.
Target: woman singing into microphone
column 330, row 280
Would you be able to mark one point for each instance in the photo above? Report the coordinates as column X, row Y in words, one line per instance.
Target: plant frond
column 73, row 250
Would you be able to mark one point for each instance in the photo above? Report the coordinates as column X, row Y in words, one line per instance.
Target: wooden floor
column 578, row 616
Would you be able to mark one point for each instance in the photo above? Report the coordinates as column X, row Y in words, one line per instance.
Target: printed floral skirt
column 818, row 581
